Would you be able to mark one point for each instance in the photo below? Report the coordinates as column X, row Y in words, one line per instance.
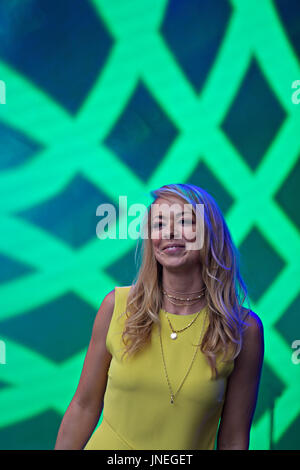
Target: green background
column 109, row 98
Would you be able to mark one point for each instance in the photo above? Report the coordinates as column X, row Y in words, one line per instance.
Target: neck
column 181, row 284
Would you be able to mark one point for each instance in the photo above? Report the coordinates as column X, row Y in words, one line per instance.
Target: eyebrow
column 160, row 216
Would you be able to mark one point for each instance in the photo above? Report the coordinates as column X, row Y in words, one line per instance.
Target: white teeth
column 173, row 246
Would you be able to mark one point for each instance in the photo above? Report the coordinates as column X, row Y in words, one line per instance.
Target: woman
column 173, row 353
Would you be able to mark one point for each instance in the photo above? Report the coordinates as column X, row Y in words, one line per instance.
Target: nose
column 174, row 229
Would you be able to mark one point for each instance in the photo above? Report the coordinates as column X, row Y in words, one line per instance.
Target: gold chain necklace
column 188, row 298
column 173, row 335
column 183, row 303
column 165, row 368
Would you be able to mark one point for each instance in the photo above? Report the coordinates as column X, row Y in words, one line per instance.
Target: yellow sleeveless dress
column 137, row 409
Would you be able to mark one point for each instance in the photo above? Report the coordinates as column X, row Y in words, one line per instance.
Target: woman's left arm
column 242, row 389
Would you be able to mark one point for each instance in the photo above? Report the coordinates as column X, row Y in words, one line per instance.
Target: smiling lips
column 181, row 245
column 173, row 248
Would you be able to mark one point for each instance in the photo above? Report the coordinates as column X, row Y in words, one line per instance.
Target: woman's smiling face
column 173, row 229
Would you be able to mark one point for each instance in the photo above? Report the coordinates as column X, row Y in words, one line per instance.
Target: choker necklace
column 186, row 299
column 183, row 303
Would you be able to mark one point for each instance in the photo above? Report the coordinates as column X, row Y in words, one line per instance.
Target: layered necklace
column 190, row 301
column 173, row 335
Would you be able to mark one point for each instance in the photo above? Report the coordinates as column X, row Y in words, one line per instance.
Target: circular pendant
column 173, row 335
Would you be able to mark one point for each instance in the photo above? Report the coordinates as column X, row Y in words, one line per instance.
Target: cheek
column 156, row 241
column 189, row 233
column 155, row 244
column 156, row 237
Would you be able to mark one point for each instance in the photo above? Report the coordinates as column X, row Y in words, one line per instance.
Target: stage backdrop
column 108, row 98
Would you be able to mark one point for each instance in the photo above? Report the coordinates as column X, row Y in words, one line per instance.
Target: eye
column 157, row 224
column 188, row 221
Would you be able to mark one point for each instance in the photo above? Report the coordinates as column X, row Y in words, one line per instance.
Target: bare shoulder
column 250, row 358
column 108, row 304
column 104, row 314
column 253, row 339
column 253, row 321
column 109, row 299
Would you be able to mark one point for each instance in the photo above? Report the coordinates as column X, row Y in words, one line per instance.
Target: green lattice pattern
column 74, row 144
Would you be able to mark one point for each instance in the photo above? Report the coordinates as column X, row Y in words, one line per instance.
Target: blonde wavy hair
column 225, row 289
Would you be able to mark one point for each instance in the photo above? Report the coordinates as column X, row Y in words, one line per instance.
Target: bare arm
column 242, row 390
column 83, row 413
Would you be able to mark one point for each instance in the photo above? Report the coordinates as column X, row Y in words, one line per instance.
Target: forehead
column 173, row 204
